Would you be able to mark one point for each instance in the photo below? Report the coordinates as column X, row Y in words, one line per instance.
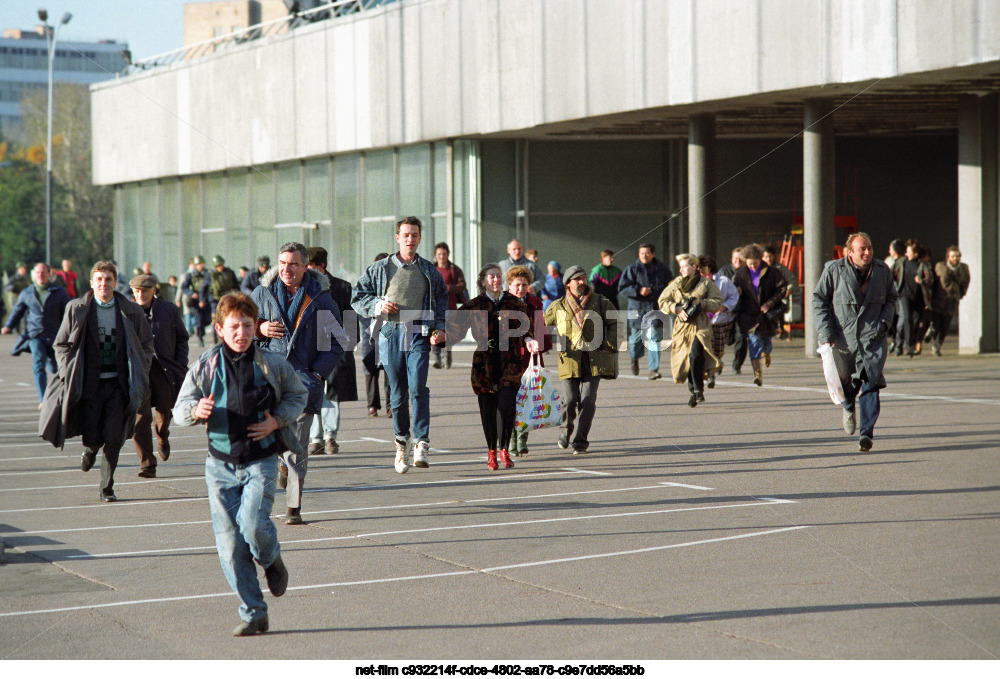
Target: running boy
column 249, row 400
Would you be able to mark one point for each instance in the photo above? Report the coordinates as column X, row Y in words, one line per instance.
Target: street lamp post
column 50, row 39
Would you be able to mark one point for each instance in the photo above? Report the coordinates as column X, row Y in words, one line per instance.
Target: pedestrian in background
column 953, row 279
column 341, row 386
column 722, row 320
column 762, row 290
column 605, row 277
column 252, row 279
column 552, row 288
column 42, row 305
column 166, row 372
column 642, row 283
column 454, row 281
column 518, row 281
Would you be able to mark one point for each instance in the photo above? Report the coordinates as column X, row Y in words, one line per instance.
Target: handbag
column 539, row 403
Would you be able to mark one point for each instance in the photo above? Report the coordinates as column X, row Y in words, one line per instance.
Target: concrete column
column 701, row 184
column 818, row 182
column 979, row 222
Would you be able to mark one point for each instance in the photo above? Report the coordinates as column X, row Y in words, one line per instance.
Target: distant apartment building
column 207, row 20
column 24, row 68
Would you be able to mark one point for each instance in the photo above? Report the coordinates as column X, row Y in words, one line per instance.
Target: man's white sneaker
column 401, row 464
column 420, row 454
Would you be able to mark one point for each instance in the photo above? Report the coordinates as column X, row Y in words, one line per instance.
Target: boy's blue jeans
column 241, row 497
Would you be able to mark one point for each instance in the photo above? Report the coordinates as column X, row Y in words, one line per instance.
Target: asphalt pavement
column 749, row 527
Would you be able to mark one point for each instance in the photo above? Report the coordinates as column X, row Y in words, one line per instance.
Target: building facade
column 24, row 68
column 575, row 126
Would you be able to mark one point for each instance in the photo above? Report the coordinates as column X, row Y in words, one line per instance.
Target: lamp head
column 65, row 18
column 42, row 14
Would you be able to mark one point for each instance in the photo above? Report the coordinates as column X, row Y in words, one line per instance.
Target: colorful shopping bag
column 539, row 402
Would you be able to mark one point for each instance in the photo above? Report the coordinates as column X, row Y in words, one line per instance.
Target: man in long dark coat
column 853, row 305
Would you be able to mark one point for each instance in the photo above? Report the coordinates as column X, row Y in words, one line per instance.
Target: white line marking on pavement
column 883, row 393
column 369, row 438
column 347, row 510
column 643, row 550
column 684, row 485
column 474, row 479
column 107, row 505
column 587, row 471
column 22, row 384
column 405, row 578
column 137, row 503
column 434, row 529
column 144, row 482
column 39, row 457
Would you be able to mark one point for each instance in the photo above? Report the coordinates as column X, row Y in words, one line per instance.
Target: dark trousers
column 696, row 365
column 161, row 398
column 103, row 420
column 372, row 389
column 865, row 395
column 581, row 404
column 923, row 324
column 490, row 405
column 942, row 324
column 740, row 348
column 437, row 349
column 909, row 318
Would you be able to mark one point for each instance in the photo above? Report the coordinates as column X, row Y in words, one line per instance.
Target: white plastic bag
column 539, row 403
column 830, row 372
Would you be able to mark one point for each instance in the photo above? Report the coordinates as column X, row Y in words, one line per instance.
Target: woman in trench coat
column 691, row 343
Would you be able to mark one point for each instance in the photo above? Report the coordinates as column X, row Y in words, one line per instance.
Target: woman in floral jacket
column 495, row 317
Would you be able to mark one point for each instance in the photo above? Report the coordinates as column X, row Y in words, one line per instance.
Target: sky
column 150, row 27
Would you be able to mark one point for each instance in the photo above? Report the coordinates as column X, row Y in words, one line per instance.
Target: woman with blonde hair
column 691, row 297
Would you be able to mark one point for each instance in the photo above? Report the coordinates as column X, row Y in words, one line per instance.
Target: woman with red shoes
column 496, row 318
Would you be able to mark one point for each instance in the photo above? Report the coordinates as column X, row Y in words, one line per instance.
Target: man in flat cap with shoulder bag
column 166, row 373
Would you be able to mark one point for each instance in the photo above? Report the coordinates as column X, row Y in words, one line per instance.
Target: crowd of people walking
column 270, row 387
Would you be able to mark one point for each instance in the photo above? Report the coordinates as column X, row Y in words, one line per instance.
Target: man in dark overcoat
column 104, row 347
column 853, row 305
column 166, row 373
column 342, row 384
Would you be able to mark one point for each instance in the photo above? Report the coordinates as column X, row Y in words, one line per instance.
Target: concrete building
column 574, row 125
column 24, row 68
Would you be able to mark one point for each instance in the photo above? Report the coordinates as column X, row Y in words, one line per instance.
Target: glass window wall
column 355, row 198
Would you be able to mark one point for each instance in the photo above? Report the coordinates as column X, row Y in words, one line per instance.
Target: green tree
column 82, row 214
column 22, row 212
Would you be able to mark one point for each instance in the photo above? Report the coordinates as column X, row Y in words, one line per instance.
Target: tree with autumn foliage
column 82, row 217
column 22, row 206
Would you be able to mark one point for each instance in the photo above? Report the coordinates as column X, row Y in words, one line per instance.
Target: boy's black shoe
column 277, row 577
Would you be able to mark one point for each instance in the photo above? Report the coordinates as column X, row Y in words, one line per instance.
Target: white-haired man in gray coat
column 853, row 305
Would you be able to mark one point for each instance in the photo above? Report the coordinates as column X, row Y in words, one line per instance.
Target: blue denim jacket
column 373, row 284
